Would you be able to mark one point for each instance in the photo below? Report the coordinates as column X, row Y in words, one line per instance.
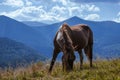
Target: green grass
column 102, row 70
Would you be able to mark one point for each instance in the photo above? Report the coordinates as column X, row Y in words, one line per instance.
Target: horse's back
column 82, row 35
column 79, row 27
column 82, row 29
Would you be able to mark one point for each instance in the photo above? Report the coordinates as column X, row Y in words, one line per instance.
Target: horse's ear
column 65, row 24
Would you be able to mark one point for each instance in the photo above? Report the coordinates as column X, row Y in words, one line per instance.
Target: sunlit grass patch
column 101, row 70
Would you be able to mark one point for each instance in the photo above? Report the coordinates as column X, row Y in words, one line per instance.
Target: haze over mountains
column 14, row 53
column 34, row 23
column 20, row 32
column 40, row 38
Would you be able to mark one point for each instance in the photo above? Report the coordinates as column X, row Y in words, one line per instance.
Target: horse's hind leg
column 55, row 53
column 63, row 63
column 88, row 52
column 81, row 58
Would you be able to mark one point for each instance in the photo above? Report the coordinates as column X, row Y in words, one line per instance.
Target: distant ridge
column 20, row 32
column 5, row 19
column 106, row 35
column 14, row 53
column 34, row 23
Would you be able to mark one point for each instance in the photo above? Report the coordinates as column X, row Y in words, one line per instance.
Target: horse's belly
column 80, row 43
column 80, row 39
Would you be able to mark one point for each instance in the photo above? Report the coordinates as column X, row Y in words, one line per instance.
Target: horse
column 69, row 39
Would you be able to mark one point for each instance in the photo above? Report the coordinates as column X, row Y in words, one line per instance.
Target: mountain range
column 40, row 38
column 34, row 23
column 13, row 54
column 25, row 34
column 106, row 35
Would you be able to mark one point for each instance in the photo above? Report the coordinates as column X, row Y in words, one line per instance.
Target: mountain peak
column 74, row 20
column 3, row 16
column 10, row 21
column 76, row 17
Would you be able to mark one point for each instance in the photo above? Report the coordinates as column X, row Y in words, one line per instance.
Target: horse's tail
column 90, row 34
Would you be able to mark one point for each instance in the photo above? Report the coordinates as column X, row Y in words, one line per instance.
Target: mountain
column 20, row 32
column 106, row 35
column 14, row 53
column 34, row 23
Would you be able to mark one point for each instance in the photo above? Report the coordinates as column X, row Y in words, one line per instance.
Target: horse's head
column 65, row 42
column 68, row 54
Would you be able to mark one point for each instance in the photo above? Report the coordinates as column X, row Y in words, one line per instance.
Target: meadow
column 102, row 70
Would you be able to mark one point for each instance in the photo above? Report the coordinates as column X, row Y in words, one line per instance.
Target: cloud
column 26, row 13
column 117, row 19
column 16, row 3
column 13, row 3
column 93, row 8
column 64, row 2
column 118, row 14
column 93, row 1
column 28, row 3
column 92, row 17
column 56, row 10
column 90, row 8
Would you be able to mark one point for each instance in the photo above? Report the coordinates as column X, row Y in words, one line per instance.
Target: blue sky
column 52, row 11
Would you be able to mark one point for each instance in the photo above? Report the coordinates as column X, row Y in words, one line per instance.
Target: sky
column 51, row 11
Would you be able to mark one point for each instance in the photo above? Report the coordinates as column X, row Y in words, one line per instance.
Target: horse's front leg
column 53, row 59
column 81, row 58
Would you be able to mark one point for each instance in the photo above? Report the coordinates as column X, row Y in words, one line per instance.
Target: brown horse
column 70, row 39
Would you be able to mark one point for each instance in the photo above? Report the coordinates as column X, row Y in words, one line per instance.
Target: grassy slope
column 102, row 70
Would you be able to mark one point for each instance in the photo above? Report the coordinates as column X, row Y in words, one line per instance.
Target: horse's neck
column 68, row 36
column 69, row 32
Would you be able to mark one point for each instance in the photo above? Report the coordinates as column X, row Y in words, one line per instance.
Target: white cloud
column 54, row 0
column 91, row 8
column 13, row 3
column 25, row 13
column 12, row 14
column 74, row 10
column 17, row 3
column 92, row 17
column 28, row 3
column 64, row 2
column 57, row 10
column 117, row 19
column 118, row 14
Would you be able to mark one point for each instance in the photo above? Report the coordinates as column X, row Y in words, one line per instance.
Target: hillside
column 14, row 53
column 40, row 38
column 102, row 70
column 34, row 23
column 106, row 35
column 20, row 32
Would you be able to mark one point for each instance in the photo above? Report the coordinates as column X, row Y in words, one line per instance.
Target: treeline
column 14, row 53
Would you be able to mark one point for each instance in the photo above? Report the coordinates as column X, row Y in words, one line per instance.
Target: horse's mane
column 67, row 34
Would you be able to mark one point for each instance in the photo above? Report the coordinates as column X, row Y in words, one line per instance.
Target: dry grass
column 102, row 70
